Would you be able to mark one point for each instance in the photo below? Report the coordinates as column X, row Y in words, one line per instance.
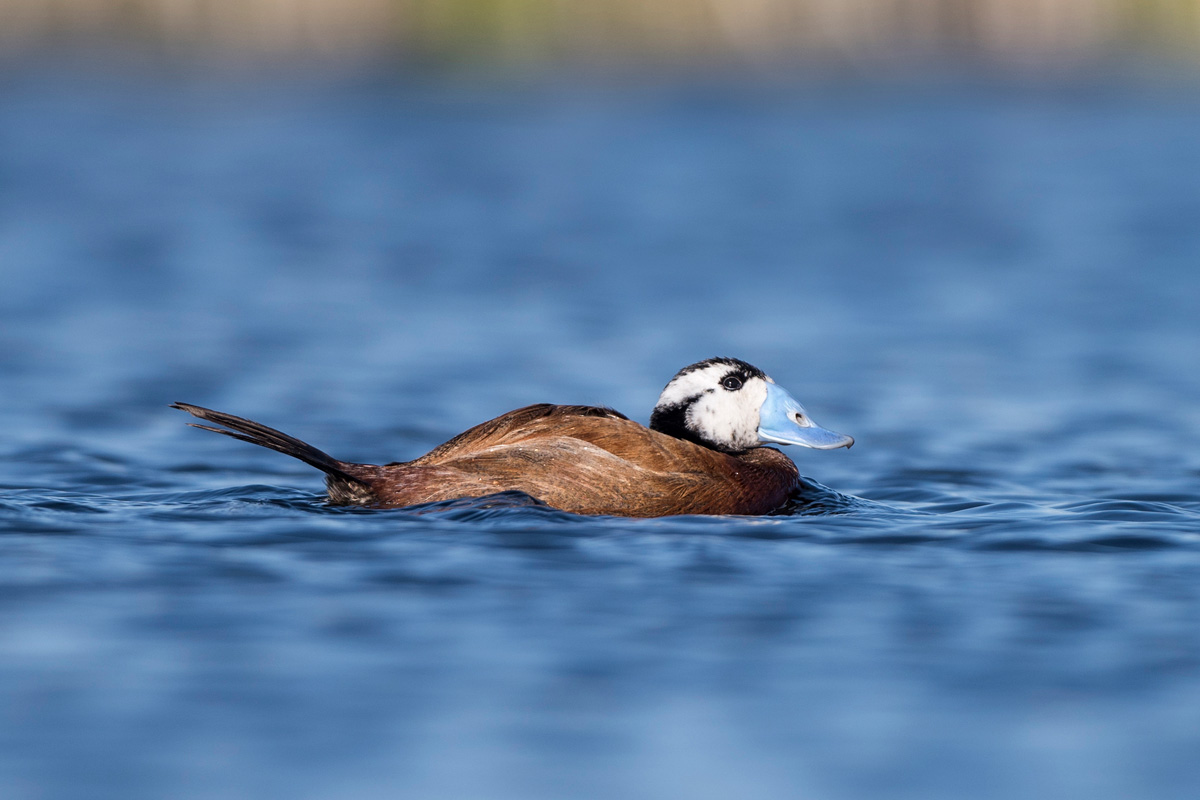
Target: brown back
column 589, row 460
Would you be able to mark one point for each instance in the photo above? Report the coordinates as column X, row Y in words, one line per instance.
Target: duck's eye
column 732, row 383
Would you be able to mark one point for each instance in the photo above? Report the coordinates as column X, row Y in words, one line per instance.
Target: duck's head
column 731, row 406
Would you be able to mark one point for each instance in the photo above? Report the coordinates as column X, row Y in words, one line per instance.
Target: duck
column 704, row 452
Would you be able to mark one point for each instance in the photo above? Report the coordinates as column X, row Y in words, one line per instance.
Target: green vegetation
column 614, row 30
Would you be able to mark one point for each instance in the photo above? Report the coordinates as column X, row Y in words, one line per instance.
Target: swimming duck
column 702, row 454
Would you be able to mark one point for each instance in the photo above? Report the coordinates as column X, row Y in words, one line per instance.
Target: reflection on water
column 994, row 594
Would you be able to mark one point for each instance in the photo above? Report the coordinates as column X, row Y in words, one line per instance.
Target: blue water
column 994, row 288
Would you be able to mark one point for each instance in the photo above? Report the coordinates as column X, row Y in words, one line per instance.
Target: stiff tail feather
column 261, row 435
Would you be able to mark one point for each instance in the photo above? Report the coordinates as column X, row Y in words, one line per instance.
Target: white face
column 719, row 404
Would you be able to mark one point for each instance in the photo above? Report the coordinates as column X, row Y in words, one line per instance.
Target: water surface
column 994, row 289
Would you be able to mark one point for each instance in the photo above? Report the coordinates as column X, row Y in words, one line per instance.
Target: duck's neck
column 672, row 420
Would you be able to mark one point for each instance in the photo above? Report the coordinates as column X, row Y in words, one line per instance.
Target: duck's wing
column 604, row 428
column 572, row 474
column 587, row 460
column 510, row 427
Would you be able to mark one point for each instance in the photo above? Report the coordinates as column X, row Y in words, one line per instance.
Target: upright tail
column 256, row 433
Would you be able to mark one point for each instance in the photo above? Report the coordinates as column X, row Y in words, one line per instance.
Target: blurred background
column 966, row 232
column 447, row 31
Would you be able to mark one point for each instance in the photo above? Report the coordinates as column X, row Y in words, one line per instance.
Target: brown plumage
column 702, row 453
column 581, row 459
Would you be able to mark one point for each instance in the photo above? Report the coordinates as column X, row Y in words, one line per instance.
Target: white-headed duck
column 702, row 454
